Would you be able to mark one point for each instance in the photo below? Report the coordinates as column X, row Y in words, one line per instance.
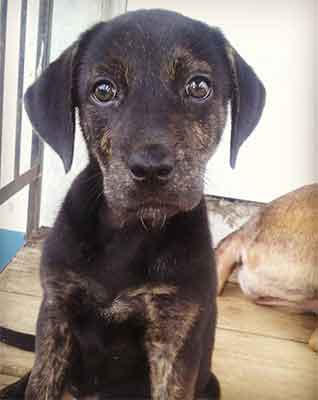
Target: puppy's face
column 152, row 89
column 152, row 98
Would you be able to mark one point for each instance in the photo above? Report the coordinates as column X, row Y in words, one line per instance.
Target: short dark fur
column 129, row 306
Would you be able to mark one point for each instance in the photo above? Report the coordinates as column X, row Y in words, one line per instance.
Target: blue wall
column 10, row 243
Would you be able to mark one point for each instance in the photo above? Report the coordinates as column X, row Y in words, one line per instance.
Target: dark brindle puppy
column 128, row 274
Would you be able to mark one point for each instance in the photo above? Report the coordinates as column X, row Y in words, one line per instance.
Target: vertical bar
column 3, row 31
column 112, row 8
column 23, row 22
column 42, row 60
column 117, row 7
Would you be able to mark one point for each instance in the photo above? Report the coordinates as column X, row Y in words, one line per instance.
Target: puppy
column 276, row 251
column 128, row 275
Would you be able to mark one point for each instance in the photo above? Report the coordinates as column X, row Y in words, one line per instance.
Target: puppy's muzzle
column 151, row 165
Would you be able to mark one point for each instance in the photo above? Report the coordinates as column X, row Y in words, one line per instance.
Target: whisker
column 94, row 195
column 143, row 222
column 92, row 177
column 163, row 221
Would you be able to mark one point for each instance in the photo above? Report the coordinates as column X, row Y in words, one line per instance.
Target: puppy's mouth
column 154, row 212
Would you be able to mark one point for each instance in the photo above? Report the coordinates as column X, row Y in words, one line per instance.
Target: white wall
column 13, row 213
column 65, row 30
column 70, row 18
column 279, row 39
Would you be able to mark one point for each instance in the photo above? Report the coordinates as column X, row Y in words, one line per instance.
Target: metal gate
column 32, row 176
column 27, row 26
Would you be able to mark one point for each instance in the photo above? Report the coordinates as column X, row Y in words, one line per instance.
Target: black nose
column 153, row 163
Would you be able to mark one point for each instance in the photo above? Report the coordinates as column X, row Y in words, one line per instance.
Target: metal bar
column 23, row 22
column 3, row 32
column 117, row 7
column 15, row 186
column 42, row 60
column 112, row 8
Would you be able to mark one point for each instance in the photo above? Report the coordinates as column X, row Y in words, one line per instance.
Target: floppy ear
column 247, row 102
column 50, row 105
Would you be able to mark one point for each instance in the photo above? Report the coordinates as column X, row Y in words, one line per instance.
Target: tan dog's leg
column 305, row 306
column 227, row 256
column 313, row 341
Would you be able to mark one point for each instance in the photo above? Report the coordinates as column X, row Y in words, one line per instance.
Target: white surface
column 279, row 40
column 13, row 213
column 10, row 95
column 70, row 19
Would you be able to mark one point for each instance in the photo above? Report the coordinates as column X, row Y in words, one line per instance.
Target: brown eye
column 198, row 88
column 104, row 91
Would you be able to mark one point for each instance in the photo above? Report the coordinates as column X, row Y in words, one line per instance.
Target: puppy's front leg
column 53, row 356
column 173, row 367
column 171, row 322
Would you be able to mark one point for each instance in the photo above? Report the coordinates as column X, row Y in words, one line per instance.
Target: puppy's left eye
column 104, row 91
column 199, row 88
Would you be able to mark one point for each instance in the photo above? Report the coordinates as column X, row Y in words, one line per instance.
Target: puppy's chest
column 99, row 288
column 139, row 315
column 117, row 275
column 117, row 312
column 119, row 321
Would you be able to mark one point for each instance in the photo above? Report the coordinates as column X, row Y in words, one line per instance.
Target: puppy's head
column 152, row 89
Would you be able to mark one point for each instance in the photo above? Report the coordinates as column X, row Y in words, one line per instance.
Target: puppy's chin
column 152, row 218
column 151, row 210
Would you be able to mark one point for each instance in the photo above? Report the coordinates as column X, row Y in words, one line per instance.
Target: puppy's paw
column 212, row 390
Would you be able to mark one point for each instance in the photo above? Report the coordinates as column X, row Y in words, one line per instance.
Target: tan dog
column 277, row 254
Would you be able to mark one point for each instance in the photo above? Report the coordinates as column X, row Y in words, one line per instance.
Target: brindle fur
column 167, row 329
column 128, row 274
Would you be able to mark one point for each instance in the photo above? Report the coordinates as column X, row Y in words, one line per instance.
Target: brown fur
column 47, row 379
column 183, row 58
column 169, row 320
column 105, row 142
column 277, row 249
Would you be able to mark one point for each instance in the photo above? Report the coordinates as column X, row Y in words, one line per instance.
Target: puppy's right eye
column 199, row 88
column 104, row 91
